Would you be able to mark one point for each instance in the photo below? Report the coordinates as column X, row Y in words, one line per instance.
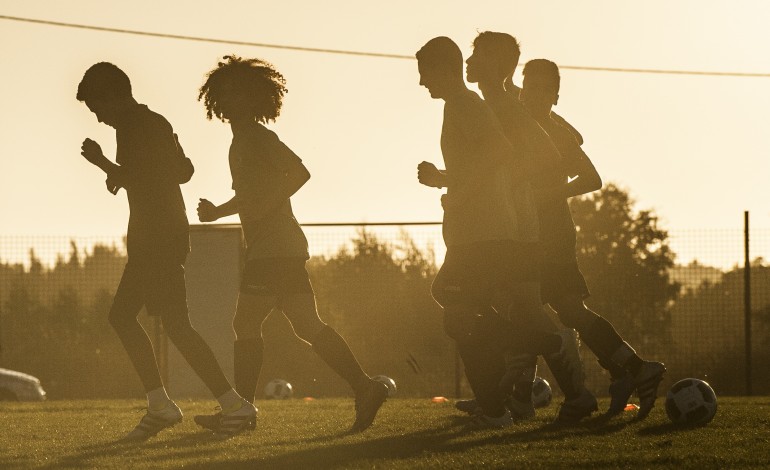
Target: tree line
column 53, row 320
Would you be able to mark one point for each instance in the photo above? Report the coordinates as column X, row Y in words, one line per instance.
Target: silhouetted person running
column 151, row 166
column 494, row 56
column 485, row 228
column 564, row 287
column 248, row 93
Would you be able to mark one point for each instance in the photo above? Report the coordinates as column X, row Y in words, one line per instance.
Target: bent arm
column 228, row 208
column 583, row 178
column 586, row 180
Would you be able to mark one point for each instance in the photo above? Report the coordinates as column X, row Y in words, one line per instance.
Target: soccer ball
column 278, row 389
column 387, row 381
column 691, row 402
column 541, row 393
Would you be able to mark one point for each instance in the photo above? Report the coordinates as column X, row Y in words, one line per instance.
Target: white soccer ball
column 387, row 381
column 278, row 389
column 691, row 402
column 541, row 393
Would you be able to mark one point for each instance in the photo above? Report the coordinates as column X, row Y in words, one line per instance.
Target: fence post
column 747, row 299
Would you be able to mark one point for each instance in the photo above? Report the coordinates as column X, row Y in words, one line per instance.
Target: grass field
column 408, row 433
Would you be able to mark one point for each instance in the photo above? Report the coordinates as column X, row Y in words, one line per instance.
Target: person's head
column 494, row 58
column 540, row 90
column 242, row 90
column 440, row 64
column 106, row 90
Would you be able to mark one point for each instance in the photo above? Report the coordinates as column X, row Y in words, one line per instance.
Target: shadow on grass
column 85, row 455
column 667, row 428
column 454, row 438
column 334, row 449
column 16, row 462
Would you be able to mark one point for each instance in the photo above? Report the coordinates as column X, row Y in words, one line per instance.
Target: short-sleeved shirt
column 530, row 142
column 258, row 162
column 477, row 204
column 150, row 168
column 558, row 228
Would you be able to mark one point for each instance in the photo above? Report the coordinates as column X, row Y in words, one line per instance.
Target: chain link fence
column 372, row 283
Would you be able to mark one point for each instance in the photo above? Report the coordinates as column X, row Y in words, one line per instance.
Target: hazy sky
column 692, row 148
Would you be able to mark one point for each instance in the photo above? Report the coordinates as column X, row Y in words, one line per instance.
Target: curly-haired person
column 151, row 166
column 248, row 93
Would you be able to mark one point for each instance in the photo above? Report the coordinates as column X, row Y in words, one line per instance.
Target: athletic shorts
column 525, row 261
column 482, row 272
column 277, row 277
column 157, row 284
column 563, row 281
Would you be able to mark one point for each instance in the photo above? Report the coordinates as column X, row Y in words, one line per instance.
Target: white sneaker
column 155, row 421
column 482, row 421
column 235, row 422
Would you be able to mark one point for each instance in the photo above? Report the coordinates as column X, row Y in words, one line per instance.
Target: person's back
column 564, row 287
column 495, row 56
column 149, row 156
column 475, row 207
column 247, row 93
column 532, row 143
column 150, row 166
column 258, row 159
column 558, row 236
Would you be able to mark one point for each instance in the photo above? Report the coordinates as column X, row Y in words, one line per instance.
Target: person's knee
column 301, row 311
column 469, row 324
column 456, row 322
column 250, row 313
column 308, row 330
column 437, row 292
column 246, row 326
column 574, row 314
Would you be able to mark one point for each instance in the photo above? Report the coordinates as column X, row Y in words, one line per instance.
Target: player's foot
column 646, row 384
column 520, row 410
column 482, row 421
column 620, row 391
column 468, row 406
column 572, row 411
column 368, row 402
column 234, row 422
column 211, row 422
column 154, row 421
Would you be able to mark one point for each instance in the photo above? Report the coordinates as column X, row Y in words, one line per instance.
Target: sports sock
column 523, row 391
column 333, row 349
column 484, row 367
column 634, row 364
column 567, row 368
column 601, row 338
column 247, row 365
column 626, row 357
column 157, row 399
column 232, row 403
column 616, row 372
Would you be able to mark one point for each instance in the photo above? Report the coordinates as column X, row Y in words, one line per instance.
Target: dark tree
column 625, row 257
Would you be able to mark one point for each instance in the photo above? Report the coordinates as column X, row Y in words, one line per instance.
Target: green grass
column 408, row 433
